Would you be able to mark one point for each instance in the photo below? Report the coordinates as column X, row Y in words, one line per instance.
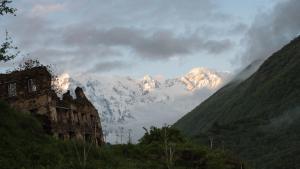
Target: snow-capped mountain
column 149, row 84
column 199, row 78
column 127, row 105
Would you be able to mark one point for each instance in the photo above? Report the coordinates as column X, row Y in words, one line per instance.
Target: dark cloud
column 114, row 30
column 79, row 53
column 161, row 44
column 269, row 32
column 30, row 30
column 154, row 12
column 109, row 66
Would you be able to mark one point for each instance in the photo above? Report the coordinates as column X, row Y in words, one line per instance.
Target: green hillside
column 258, row 117
column 24, row 145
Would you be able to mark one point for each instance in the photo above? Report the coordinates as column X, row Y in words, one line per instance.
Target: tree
column 158, row 135
column 168, row 138
column 169, row 149
column 6, row 48
column 5, row 9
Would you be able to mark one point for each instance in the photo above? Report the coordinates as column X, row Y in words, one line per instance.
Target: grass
column 24, row 145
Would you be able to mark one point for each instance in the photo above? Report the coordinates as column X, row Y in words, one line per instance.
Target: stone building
column 65, row 118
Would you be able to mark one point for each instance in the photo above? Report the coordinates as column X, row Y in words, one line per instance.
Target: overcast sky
column 156, row 37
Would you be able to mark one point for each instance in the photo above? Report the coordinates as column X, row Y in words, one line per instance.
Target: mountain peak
column 149, row 83
column 265, row 102
column 200, row 70
column 201, row 77
column 62, row 82
column 147, row 78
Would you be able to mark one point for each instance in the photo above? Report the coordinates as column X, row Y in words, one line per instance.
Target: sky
column 157, row 37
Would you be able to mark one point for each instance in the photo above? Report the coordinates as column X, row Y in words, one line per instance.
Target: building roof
column 35, row 71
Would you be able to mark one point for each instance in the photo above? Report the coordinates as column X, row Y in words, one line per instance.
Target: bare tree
column 87, row 144
column 169, row 149
column 105, row 133
column 242, row 165
column 211, row 141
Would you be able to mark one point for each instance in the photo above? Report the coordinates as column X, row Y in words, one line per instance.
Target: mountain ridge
column 123, row 101
column 241, row 113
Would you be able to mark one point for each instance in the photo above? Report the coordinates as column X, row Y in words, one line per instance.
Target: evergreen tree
column 6, row 48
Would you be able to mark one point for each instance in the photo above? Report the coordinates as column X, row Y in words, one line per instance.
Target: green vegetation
column 24, row 145
column 5, row 8
column 7, row 50
column 257, row 118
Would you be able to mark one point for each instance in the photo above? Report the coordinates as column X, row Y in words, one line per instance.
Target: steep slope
column 257, row 117
column 24, row 144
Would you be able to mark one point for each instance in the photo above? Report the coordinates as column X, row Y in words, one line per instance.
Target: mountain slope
column 126, row 103
column 256, row 117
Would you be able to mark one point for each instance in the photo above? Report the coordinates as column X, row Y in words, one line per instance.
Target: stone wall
column 66, row 118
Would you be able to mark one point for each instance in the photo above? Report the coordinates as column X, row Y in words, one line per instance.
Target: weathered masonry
column 67, row 118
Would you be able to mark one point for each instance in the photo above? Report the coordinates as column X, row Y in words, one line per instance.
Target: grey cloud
column 238, row 28
column 29, row 30
column 99, row 52
column 269, row 32
column 110, row 66
column 217, row 47
column 72, row 59
column 38, row 37
column 152, row 30
column 162, row 12
column 161, row 44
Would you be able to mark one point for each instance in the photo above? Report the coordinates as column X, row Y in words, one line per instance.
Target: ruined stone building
column 65, row 118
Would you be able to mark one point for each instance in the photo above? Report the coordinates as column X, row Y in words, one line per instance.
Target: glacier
column 127, row 104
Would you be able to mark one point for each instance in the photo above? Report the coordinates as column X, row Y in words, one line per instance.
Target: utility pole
column 122, row 132
column 169, row 149
column 96, row 141
column 129, row 136
column 211, row 140
column 117, row 135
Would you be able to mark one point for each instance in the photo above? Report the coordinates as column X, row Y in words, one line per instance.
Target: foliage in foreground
column 24, row 145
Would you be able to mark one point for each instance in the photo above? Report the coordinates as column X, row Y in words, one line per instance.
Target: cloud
column 114, row 30
column 160, row 44
column 43, row 9
column 156, row 12
column 29, row 29
column 238, row 28
column 109, row 66
column 270, row 31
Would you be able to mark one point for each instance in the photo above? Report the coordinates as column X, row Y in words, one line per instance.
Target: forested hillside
column 258, row 117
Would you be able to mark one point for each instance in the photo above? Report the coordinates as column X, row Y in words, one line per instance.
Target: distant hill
column 256, row 117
